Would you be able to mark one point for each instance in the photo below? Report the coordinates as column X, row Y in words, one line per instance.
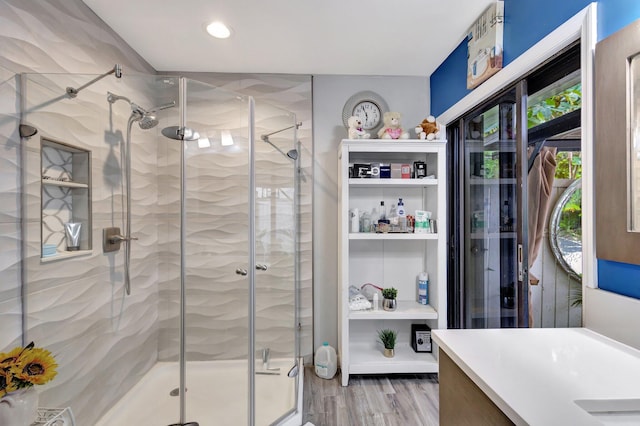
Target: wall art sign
column 484, row 45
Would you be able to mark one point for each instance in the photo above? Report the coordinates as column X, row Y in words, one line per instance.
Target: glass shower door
column 490, row 217
column 275, row 269
column 216, row 252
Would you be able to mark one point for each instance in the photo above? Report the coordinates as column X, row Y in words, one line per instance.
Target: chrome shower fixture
column 146, row 119
column 293, row 153
column 117, row 70
column 180, row 133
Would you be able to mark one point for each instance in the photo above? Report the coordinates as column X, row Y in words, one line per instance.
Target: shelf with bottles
column 392, row 214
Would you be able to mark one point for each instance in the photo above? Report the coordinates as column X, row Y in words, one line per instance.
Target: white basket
column 55, row 417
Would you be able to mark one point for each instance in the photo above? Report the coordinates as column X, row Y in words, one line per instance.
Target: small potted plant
column 389, row 302
column 388, row 339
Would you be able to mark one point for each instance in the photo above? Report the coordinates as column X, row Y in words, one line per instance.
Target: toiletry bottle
column 354, row 217
column 402, row 217
column 393, row 218
column 383, row 211
column 423, row 288
column 374, row 220
column 375, row 301
column 366, row 222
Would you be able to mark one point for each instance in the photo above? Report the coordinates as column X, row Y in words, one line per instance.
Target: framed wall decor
column 484, row 45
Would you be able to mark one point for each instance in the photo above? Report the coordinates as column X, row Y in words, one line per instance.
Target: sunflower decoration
column 25, row 367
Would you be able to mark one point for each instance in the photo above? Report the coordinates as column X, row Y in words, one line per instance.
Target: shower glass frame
column 44, row 106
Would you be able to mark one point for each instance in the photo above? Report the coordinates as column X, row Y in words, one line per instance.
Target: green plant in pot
column 388, row 338
column 389, row 302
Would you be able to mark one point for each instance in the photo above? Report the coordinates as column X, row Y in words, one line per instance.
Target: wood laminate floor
column 371, row 400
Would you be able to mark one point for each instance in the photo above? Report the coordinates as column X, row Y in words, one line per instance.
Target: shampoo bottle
column 423, row 288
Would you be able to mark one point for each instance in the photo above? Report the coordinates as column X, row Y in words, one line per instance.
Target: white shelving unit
column 391, row 259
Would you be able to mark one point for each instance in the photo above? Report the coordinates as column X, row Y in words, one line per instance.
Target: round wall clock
column 369, row 106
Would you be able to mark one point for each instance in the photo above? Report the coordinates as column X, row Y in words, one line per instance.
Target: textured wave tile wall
column 76, row 307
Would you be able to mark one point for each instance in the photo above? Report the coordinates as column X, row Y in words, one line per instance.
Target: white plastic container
column 326, row 361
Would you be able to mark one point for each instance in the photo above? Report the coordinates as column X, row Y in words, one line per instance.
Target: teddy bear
column 355, row 128
column 428, row 129
column 392, row 128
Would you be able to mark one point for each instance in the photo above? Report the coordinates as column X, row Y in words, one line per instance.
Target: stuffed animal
column 355, row 128
column 428, row 129
column 392, row 128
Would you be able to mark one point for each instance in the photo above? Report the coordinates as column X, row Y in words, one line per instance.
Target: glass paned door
column 490, row 219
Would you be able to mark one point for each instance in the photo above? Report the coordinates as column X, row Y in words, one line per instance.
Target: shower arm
column 117, row 69
column 265, row 138
column 297, row 126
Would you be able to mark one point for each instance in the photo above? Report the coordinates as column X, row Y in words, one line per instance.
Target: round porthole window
column 565, row 230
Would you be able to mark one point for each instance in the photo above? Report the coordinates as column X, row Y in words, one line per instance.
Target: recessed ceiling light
column 218, row 30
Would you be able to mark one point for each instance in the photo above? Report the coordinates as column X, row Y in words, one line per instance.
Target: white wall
column 407, row 95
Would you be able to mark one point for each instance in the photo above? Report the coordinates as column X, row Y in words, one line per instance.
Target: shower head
column 180, row 133
column 146, row 119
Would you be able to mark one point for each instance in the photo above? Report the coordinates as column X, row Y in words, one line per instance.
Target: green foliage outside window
column 555, row 106
column 569, row 165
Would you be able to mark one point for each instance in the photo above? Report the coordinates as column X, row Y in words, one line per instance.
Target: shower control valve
column 111, row 239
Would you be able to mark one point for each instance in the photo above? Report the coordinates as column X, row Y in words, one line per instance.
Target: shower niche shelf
column 65, row 197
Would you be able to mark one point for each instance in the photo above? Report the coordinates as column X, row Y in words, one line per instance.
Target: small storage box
column 421, row 337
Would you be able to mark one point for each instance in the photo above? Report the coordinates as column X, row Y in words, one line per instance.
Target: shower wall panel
column 75, row 308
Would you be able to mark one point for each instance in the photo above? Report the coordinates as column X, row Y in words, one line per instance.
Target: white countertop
column 535, row 375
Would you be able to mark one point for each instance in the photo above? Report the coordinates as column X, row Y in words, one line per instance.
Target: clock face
column 369, row 113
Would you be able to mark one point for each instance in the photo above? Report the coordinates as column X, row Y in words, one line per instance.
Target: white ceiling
column 356, row 37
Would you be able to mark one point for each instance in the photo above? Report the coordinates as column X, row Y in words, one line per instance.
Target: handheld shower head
column 149, row 119
column 146, row 119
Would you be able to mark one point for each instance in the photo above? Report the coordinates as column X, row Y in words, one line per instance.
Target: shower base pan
column 217, row 395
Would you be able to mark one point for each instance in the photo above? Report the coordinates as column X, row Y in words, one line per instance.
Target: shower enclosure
column 198, row 326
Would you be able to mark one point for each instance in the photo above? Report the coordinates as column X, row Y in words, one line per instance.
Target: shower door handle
column 241, row 271
column 261, row 267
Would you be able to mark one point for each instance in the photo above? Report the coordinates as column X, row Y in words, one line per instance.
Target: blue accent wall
column 613, row 15
column 526, row 23
column 621, row 278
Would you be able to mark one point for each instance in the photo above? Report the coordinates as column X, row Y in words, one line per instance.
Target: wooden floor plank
column 371, row 400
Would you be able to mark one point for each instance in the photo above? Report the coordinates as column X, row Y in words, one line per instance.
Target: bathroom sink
column 612, row 411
